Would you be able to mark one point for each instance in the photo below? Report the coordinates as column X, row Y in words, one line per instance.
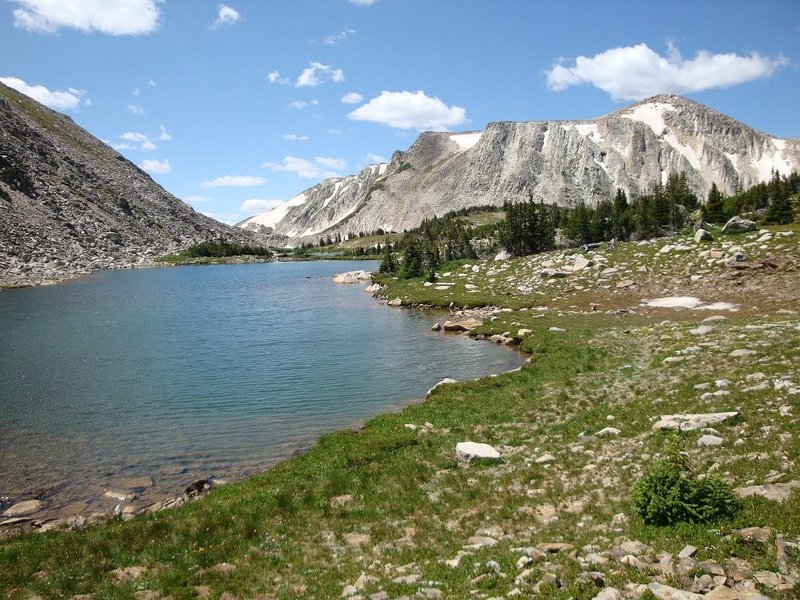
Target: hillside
column 562, row 162
column 394, row 510
column 70, row 204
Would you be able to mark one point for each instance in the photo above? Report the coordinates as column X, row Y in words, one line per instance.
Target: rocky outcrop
column 69, row 204
column 562, row 162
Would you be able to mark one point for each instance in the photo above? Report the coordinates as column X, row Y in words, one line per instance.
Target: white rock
column 608, row 432
column 690, row 422
column 545, row 459
column 444, row 381
column 710, row 440
column 470, row 450
column 702, row 330
column 352, row 277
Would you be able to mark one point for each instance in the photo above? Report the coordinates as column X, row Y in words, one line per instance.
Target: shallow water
column 197, row 372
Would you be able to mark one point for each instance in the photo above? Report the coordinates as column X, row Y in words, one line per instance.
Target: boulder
column 374, row 288
column 395, row 302
column 690, row 422
column 436, row 327
column 502, row 255
column 710, row 440
column 665, row 592
column 580, row 262
column 737, row 223
column 469, row 451
column 352, row 277
column 701, row 235
column 25, row 507
column 608, row 432
column 780, row 492
column 465, row 325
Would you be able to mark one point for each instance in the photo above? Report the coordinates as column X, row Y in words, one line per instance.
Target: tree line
column 530, row 227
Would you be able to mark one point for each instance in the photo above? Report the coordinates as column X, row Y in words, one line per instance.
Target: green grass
column 419, row 506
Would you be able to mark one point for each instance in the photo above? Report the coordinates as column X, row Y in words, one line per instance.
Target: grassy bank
column 389, row 511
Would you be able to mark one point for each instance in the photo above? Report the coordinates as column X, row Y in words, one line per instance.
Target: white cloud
column 156, row 166
column 164, row 136
column 320, row 168
column 226, row 15
column 363, row 2
column 635, row 72
column 316, row 73
column 335, row 38
column 113, row 17
column 352, row 98
column 409, row 110
column 375, row 158
column 338, row 164
column 234, row 181
column 301, row 104
column 258, row 205
column 198, row 199
column 333, row 131
column 293, row 137
column 59, row 100
column 141, row 141
column 136, row 109
column 136, row 92
column 275, row 77
column 151, row 83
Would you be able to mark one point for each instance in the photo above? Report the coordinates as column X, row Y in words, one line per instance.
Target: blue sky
column 236, row 107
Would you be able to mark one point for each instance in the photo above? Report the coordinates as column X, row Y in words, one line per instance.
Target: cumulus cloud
column 635, row 72
column 68, row 99
column 156, row 166
column 320, row 168
column 136, row 109
column 317, row 73
column 373, row 158
column 301, row 104
column 226, row 15
column 259, row 205
column 275, row 77
column 335, row 38
column 164, row 136
column 293, row 137
column 112, row 17
column 409, row 110
column 135, row 141
column 234, row 181
column 352, row 98
column 363, row 2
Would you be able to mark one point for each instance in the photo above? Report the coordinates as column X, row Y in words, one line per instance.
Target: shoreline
column 61, row 518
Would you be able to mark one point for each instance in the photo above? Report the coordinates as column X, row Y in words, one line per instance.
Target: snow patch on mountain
column 466, row 141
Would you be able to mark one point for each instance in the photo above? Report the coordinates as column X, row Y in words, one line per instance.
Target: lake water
column 185, row 373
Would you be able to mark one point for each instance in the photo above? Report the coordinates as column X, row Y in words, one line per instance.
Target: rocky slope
column 69, row 204
column 559, row 161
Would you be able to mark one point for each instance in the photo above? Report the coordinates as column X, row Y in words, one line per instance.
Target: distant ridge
column 562, row 162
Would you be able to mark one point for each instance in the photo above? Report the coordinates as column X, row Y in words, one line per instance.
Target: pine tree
column 714, row 208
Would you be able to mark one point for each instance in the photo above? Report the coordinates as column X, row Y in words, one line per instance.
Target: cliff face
column 69, row 204
column 564, row 162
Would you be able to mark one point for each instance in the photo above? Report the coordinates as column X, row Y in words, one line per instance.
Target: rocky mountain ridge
column 70, row 204
column 563, row 162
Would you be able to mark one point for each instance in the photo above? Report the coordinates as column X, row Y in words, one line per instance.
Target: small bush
column 669, row 492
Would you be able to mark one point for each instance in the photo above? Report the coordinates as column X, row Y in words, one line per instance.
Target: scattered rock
column 737, row 223
column 444, row 381
column 710, row 440
column 608, row 432
column 690, row 422
column 395, row 302
column 780, row 492
column 741, row 353
column 21, row 509
column 466, row 325
column 701, row 235
column 665, row 592
column 702, row 330
column 357, row 539
column 471, row 450
column 352, row 277
column 436, row 327
column 687, row 552
column 545, row 458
